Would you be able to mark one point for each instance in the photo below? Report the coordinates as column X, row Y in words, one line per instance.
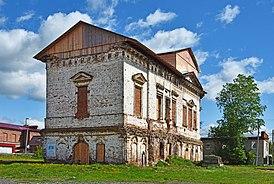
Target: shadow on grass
column 22, row 161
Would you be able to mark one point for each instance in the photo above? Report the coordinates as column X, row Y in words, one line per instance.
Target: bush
column 250, row 158
column 38, row 153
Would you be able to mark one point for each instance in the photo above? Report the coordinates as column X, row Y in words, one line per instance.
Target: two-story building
column 15, row 138
column 111, row 99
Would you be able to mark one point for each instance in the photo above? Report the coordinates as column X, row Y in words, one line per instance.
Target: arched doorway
column 81, row 153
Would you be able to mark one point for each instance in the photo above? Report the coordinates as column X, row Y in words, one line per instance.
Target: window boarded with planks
column 189, row 119
column 82, row 103
column 137, row 101
column 101, row 153
column 159, row 107
column 173, row 110
column 195, row 121
column 184, row 116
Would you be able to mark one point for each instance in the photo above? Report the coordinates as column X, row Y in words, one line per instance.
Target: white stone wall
column 114, row 146
column 105, row 97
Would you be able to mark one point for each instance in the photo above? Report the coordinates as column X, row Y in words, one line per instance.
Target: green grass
column 178, row 170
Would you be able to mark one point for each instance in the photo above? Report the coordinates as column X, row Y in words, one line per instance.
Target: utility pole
column 257, row 149
column 27, row 134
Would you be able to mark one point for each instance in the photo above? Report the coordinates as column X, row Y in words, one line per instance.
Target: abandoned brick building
column 110, row 99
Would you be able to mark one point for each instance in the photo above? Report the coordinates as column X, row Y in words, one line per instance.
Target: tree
column 241, row 106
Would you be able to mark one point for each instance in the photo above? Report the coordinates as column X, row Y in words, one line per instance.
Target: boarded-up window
column 82, row 103
column 167, row 109
column 159, row 107
column 190, row 119
column 173, row 110
column 137, row 101
column 100, row 153
column 184, row 116
column 195, row 121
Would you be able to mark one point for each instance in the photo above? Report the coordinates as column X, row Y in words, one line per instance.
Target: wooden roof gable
column 81, row 35
column 177, row 52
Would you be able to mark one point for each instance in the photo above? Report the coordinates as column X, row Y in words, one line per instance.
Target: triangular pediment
column 139, row 78
column 81, row 79
column 191, row 103
column 192, row 78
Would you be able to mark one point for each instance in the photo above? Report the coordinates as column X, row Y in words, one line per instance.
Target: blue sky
column 227, row 37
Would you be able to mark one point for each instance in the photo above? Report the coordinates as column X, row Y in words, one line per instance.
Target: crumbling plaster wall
column 105, row 97
column 65, row 142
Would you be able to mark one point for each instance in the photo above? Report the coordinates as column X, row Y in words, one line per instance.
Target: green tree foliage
column 240, row 104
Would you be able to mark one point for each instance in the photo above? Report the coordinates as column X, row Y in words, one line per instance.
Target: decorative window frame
column 139, row 80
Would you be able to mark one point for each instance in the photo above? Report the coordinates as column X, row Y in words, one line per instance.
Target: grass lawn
column 178, row 170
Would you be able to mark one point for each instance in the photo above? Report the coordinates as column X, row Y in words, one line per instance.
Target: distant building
column 210, row 147
column 13, row 137
column 110, row 99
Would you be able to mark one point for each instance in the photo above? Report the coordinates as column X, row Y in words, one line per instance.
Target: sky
column 228, row 38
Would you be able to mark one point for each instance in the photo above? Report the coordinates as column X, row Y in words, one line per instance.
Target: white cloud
column 266, row 86
column 25, row 17
column 205, row 129
column 3, row 20
column 20, row 74
column 105, row 10
column 21, row 83
column 35, row 122
column 164, row 41
column 16, row 54
column 230, row 69
column 273, row 9
column 56, row 24
column 201, row 56
column 228, row 14
column 151, row 20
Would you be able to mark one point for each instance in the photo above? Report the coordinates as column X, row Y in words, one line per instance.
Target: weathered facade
column 112, row 100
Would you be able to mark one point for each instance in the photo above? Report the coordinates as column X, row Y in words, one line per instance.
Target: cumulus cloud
column 266, row 86
column 56, row 24
column 16, row 54
column 36, row 122
column 228, row 14
column 105, row 10
column 21, row 75
column 25, row 17
column 21, row 83
column 164, row 41
column 151, row 20
column 201, row 56
column 205, row 129
column 230, row 69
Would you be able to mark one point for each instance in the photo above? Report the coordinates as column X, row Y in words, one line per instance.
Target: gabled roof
column 92, row 36
column 17, row 127
column 189, row 50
